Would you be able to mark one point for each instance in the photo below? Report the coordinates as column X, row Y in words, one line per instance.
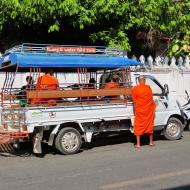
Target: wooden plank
column 89, row 102
column 48, row 94
column 92, row 102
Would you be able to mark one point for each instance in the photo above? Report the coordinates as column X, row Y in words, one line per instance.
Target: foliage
column 180, row 47
column 110, row 20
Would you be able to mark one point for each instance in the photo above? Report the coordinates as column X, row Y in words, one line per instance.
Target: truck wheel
column 173, row 130
column 68, row 141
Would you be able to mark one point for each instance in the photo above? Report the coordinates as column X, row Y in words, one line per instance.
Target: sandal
column 136, row 146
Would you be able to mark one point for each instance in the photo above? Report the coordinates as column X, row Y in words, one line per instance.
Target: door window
column 155, row 86
column 156, row 89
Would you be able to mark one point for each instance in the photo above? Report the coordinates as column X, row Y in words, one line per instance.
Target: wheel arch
column 177, row 133
column 177, row 116
column 74, row 125
column 55, row 132
column 73, row 141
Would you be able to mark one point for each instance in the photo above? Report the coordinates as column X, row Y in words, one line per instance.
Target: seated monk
column 114, row 83
column 46, row 82
column 92, row 83
column 111, row 84
column 22, row 94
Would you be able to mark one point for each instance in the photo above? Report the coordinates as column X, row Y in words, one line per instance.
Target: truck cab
column 168, row 110
column 169, row 116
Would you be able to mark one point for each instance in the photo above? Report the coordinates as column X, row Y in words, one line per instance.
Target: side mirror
column 166, row 90
column 188, row 97
column 187, row 94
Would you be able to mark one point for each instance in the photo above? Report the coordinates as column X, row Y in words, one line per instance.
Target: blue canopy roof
column 26, row 60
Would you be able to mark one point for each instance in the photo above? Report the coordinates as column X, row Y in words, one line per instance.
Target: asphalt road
column 106, row 165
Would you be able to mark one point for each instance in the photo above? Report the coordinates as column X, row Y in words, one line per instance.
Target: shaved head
column 50, row 71
column 141, row 79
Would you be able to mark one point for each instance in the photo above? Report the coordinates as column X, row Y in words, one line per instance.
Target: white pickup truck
column 80, row 111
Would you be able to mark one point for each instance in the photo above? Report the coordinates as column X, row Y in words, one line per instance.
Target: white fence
column 182, row 64
column 175, row 72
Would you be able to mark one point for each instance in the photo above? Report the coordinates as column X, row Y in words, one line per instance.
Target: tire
column 68, row 141
column 174, row 129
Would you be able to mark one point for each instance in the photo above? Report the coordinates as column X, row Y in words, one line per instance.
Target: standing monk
column 144, row 108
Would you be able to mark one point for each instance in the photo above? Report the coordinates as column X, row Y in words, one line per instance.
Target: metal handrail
column 42, row 48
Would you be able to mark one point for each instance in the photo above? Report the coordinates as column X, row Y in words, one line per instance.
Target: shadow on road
column 26, row 151
column 103, row 140
column 185, row 187
column 126, row 137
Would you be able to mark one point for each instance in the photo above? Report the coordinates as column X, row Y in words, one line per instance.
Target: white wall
column 178, row 81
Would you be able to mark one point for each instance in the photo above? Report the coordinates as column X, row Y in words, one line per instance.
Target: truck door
column 160, row 100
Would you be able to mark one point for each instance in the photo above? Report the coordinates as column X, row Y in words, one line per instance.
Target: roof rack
column 63, row 49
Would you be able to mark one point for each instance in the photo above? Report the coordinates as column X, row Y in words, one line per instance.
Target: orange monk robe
column 144, row 109
column 111, row 85
column 38, row 82
column 45, row 82
column 48, row 82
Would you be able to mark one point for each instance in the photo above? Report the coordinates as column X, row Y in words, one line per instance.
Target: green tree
column 109, row 21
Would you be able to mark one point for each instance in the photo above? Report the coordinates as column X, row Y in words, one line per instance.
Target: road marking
column 144, row 180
